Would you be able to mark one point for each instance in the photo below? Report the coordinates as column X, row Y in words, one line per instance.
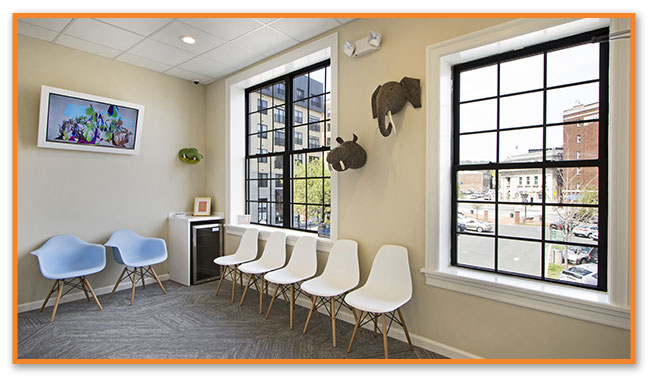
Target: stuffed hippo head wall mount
column 390, row 98
column 348, row 155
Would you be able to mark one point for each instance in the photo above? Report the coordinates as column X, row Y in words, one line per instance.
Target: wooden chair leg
column 292, row 299
column 56, row 303
column 275, row 293
column 250, row 277
column 234, row 283
column 157, row 279
column 117, row 283
column 49, row 294
column 406, row 331
column 260, row 287
column 333, row 321
column 142, row 277
column 84, row 287
column 133, row 278
column 374, row 331
column 85, row 280
column 356, row 328
column 311, row 309
column 383, row 329
column 223, row 273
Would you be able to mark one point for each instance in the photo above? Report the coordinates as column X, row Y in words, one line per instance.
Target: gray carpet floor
column 191, row 323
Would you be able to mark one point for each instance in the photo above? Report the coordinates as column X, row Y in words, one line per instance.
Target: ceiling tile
column 266, row 20
column 205, row 66
column 142, row 26
column 233, row 55
column 265, row 41
column 345, row 20
column 160, row 52
column 102, row 34
column 171, row 34
column 36, row 31
column 224, row 28
column 89, row 47
column 143, row 62
column 187, row 75
column 56, row 24
column 304, row 28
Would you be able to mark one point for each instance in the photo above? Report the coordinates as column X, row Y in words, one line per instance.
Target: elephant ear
column 374, row 102
column 412, row 89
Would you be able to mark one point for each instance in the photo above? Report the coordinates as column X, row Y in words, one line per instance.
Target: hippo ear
column 412, row 89
column 339, row 139
column 374, row 102
column 354, row 138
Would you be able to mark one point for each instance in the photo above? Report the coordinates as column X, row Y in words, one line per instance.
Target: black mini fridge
column 207, row 241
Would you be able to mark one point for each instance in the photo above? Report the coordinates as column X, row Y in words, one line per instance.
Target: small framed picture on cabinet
column 202, row 205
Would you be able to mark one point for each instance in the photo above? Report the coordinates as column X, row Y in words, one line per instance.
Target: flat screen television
column 80, row 121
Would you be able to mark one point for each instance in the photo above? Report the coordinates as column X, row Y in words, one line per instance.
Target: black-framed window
column 525, row 113
column 292, row 189
column 262, row 129
column 262, row 105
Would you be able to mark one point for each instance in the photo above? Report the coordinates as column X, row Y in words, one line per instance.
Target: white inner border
column 317, row 51
column 611, row 308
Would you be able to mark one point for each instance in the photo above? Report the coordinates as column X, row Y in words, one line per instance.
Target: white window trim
column 611, row 308
column 303, row 56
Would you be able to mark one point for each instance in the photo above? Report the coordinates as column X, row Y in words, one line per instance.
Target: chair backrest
column 303, row 261
column 275, row 250
column 68, row 251
column 123, row 242
column 390, row 272
column 343, row 263
column 247, row 249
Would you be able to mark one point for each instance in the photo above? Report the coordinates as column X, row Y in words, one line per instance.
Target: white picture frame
column 59, row 126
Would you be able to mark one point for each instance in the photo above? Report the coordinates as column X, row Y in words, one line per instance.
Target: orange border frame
column 631, row 360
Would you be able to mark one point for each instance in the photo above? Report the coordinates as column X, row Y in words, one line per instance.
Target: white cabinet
column 179, row 247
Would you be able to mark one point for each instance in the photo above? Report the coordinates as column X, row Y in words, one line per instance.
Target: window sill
column 322, row 244
column 576, row 303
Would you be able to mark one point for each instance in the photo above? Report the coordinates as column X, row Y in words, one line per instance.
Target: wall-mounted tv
column 80, row 121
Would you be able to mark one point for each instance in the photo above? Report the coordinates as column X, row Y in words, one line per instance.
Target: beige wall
column 93, row 194
column 384, row 202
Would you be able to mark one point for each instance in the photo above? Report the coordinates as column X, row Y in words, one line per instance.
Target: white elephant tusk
column 390, row 118
column 330, row 165
column 342, row 165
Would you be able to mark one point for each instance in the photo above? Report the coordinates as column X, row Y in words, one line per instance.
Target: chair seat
column 285, row 277
column 375, row 302
column 323, row 287
column 257, row 267
column 146, row 260
column 54, row 273
column 231, row 260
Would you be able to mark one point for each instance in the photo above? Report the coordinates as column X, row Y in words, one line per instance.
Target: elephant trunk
column 383, row 129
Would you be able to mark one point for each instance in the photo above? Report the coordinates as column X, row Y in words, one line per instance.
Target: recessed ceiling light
column 187, row 39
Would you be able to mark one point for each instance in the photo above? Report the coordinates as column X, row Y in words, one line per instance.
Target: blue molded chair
column 65, row 258
column 134, row 251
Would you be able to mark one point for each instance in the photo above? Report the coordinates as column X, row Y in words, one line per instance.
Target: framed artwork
column 84, row 122
column 202, row 205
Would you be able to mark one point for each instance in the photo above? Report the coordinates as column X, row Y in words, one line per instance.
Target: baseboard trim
column 73, row 296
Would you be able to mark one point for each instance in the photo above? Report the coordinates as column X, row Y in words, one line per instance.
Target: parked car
column 460, row 225
column 477, row 225
column 583, row 273
column 593, row 256
column 594, row 235
column 580, row 255
column 586, row 231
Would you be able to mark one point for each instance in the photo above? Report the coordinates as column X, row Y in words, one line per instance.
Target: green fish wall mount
column 190, row 155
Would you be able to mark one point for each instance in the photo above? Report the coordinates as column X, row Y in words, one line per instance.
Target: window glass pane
column 299, row 137
column 521, row 110
column 475, row 251
column 317, row 109
column 315, row 164
column 315, row 191
column 299, row 217
column 264, row 188
column 278, row 140
column 478, row 116
column 252, row 209
column 523, row 221
column 254, row 144
column 573, row 65
column 520, row 185
column 562, row 141
column 565, row 104
column 475, row 218
column 254, row 119
column 300, row 107
column 275, row 214
column 279, row 117
column 328, row 192
column 299, row 165
column 317, row 82
column 572, row 224
column 277, row 188
column 475, row 185
column 572, row 185
column 253, row 98
column 300, row 84
column 478, row 83
column 520, row 145
column 522, row 74
column 521, row 257
column 314, row 217
column 568, row 262
column 279, row 94
column 478, row 148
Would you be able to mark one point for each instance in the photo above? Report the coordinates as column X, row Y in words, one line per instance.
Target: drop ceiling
column 223, row 45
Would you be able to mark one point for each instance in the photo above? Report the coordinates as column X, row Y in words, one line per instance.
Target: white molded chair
column 341, row 275
column 246, row 252
column 273, row 257
column 388, row 288
column 302, row 265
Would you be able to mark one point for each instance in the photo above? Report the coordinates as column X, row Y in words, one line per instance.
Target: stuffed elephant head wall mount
column 348, row 155
column 390, row 98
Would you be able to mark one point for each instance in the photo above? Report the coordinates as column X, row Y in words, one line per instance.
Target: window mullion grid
column 496, row 173
column 455, row 159
column 287, row 171
column 544, row 94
